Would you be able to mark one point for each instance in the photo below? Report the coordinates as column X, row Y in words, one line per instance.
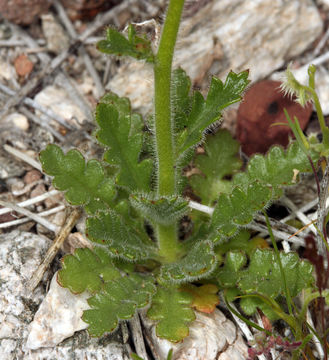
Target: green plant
column 134, row 199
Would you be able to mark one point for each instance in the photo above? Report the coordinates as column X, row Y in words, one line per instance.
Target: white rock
column 58, row 317
column 212, row 336
column 20, row 255
column 57, row 40
column 19, row 120
column 7, row 71
column 58, row 100
column 324, row 2
column 259, row 35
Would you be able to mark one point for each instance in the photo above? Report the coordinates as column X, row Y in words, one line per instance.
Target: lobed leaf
column 205, row 298
column 86, row 270
column 219, row 161
column 134, row 46
column 121, row 132
column 83, row 183
column 204, row 113
column 228, row 275
column 263, row 274
column 172, row 308
column 238, row 208
column 164, row 210
column 114, row 234
column 251, row 304
column 118, row 299
column 199, row 262
column 262, row 278
column 277, row 168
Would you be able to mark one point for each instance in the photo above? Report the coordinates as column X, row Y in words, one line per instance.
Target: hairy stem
column 166, row 183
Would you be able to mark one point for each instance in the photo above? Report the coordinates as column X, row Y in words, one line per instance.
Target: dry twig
column 22, row 156
column 52, row 251
column 322, row 213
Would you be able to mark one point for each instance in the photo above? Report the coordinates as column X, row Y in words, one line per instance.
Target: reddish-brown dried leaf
column 262, row 107
column 205, row 297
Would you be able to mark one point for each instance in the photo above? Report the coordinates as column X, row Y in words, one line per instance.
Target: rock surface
column 58, row 317
column 59, row 101
column 212, row 337
column 20, row 254
column 259, row 35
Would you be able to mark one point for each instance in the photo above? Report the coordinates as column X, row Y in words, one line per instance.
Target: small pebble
column 38, row 190
column 31, row 176
column 19, row 120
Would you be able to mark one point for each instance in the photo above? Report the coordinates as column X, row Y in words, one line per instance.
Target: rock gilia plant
column 135, row 203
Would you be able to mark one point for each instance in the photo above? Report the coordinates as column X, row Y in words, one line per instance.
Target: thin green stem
column 318, row 108
column 276, row 250
column 164, row 140
column 162, row 101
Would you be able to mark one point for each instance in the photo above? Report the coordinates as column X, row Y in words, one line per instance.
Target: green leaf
column 164, row 210
column 238, row 208
column 83, row 183
column 219, row 161
column 199, row 262
column 172, row 308
column 119, row 299
column 204, row 113
column 112, row 232
column 134, row 46
column 241, row 241
column 229, row 274
column 181, row 100
column 263, row 181
column 121, row 132
column 277, row 168
column 86, row 270
column 250, row 304
column 263, row 274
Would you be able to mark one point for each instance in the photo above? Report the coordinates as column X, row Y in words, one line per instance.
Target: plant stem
column 168, row 242
column 162, row 102
column 164, row 140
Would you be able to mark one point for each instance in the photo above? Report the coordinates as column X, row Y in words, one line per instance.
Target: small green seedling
column 135, row 203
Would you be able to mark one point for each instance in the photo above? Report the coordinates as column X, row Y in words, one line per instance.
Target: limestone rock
column 20, row 254
column 57, row 39
column 59, row 101
column 58, row 317
column 229, row 35
column 212, row 337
